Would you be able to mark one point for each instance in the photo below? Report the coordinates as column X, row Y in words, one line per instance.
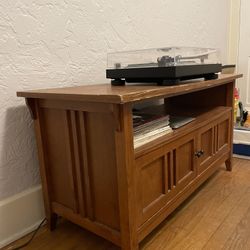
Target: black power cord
column 32, row 237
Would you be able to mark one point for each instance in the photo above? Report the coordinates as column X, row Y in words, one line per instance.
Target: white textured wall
column 48, row 43
column 234, row 31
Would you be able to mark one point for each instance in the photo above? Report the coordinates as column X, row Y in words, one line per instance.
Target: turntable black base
column 164, row 76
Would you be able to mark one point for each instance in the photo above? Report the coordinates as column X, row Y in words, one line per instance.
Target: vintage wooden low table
column 91, row 173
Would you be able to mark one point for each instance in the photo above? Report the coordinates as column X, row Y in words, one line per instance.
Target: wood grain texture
column 168, row 208
column 216, row 216
column 100, row 139
column 207, row 146
column 106, row 93
column 80, row 178
column 44, row 171
column 126, row 179
column 55, row 127
column 93, row 176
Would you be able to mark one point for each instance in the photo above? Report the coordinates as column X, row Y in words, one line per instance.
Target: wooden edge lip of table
column 131, row 93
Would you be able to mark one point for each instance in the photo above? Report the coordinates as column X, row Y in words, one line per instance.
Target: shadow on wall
column 18, row 163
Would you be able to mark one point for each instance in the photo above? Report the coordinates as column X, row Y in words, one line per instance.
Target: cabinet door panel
column 214, row 141
column 184, row 162
column 162, row 173
column 153, row 186
column 152, row 178
column 206, row 137
column 223, row 134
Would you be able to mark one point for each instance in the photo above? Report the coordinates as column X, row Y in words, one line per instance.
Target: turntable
column 164, row 66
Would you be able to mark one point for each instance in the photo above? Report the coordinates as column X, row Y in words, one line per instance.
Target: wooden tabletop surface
column 123, row 94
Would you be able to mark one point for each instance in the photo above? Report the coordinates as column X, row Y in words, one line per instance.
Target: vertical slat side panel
column 80, row 147
column 100, row 146
column 72, row 158
column 77, row 170
column 56, row 134
column 85, row 164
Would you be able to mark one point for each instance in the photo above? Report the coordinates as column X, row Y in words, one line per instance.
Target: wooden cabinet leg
column 228, row 163
column 52, row 220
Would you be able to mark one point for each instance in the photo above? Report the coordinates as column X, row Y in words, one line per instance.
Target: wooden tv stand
column 91, row 173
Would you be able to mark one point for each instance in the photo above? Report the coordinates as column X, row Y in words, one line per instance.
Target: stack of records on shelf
column 148, row 127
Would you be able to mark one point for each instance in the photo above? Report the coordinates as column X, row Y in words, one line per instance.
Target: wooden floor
column 217, row 216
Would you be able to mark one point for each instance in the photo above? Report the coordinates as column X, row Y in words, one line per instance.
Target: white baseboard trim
column 241, row 156
column 20, row 215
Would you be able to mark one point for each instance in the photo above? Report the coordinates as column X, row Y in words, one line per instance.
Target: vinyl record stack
column 148, row 127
